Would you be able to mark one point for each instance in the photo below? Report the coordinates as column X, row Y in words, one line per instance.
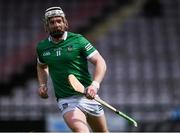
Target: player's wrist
column 42, row 85
column 96, row 84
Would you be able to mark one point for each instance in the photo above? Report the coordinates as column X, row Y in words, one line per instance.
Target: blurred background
column 139, row 39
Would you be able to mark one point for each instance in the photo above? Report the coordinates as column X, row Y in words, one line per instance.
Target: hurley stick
column 77, row 86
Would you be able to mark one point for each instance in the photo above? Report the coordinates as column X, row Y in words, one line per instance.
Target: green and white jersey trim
column 92, row 54
column 88, row 47
column 39, row 62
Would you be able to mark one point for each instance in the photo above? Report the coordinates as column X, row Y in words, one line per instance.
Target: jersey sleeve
column 87, row 48
column 39, row 57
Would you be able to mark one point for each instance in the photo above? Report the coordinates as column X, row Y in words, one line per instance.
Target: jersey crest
column 69, row 48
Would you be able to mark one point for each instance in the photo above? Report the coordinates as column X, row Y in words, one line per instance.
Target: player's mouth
column 57, row 34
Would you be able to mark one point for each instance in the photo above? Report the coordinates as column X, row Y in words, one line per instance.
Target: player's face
column 56, row 26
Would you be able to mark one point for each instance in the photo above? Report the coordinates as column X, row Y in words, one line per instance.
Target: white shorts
column 81, row 102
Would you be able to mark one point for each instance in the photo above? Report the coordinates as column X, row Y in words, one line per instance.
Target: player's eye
column 59, row 21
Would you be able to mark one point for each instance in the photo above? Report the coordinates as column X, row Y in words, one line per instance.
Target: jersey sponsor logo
column 46, row 53
column 88, row 47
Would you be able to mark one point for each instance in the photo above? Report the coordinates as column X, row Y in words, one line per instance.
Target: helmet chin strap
column 56, row 34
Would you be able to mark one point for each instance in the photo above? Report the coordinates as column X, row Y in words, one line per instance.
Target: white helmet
column 53, row 11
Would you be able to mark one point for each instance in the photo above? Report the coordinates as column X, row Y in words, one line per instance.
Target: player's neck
column 56, row 40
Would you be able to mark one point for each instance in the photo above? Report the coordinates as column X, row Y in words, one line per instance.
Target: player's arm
column 42, row 74
column 100, row 67
column 98, row 74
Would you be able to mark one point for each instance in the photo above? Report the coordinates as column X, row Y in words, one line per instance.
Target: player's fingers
column 90, row 94
column 43, row 94
column 87, row 94
column 43, row 89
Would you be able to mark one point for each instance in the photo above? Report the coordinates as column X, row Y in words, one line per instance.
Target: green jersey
column 66, row 57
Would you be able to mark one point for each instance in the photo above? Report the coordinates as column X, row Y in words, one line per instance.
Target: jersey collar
column 64, row 37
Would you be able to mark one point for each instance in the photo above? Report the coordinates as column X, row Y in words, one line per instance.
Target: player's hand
column 91, row 92
column 43, row 92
